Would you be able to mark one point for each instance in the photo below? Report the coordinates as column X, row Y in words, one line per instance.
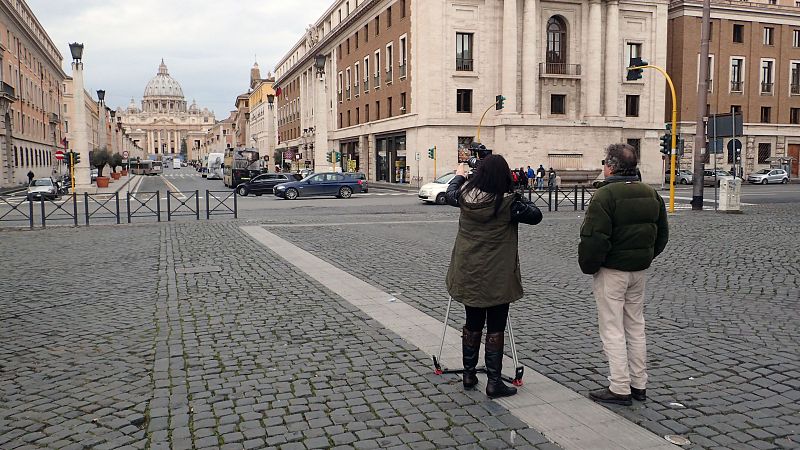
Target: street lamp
column 101, row 95
column 77, row 51
column 271, row 99
column 319, row 64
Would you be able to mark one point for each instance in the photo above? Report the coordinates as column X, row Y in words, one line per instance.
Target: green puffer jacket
column 625, row 227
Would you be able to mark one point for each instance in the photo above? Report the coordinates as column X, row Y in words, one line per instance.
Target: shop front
column 390, row 159
column 350, row 160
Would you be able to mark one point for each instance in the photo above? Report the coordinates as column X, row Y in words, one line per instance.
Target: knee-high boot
column 494, row 367
column 470, row 347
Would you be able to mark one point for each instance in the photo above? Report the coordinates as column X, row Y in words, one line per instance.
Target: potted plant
column 99, row 158
column 115, row 161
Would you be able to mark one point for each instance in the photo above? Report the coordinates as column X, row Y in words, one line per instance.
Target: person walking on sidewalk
column 484, row 273
column 540, row 177
column 624, row 229
column 30, row 177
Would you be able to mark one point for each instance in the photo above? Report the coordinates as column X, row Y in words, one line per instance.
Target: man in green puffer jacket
column 624, row 229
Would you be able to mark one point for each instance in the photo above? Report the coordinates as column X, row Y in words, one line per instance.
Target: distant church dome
column 163, row 85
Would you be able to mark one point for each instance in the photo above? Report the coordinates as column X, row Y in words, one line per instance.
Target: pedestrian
column 523, row 179
column 30, row 177
column 540, row 177
column 484, row 273
column 624, row 229
column 551, row 179
column 531, row 177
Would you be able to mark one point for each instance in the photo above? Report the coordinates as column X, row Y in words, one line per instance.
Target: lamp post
column 321, row 108
column 79, row 136
column 271, row 126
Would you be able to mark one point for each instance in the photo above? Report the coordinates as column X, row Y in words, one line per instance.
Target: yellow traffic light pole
column 673, row 151
column 478, row 134
column 434, row 162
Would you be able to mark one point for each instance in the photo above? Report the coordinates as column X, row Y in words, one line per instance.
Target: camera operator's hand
column 460, row 170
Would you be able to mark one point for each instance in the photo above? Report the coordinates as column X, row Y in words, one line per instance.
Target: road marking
column 562, row 415
column 175, row 191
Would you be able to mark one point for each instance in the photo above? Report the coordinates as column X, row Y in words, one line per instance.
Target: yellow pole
column 72, row 171
column 333, row 160
column 478, row 134
column 673, row 152
column 434, row 162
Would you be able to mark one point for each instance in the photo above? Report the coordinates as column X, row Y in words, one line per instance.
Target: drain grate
column 198, row 269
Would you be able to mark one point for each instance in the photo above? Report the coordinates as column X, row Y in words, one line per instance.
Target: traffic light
column 666, row 143
column 431, row 153
column 338, row 156
column 76, row 157
column 499, row 100
column 680, row 145
column 328, row 157
column 635, row 74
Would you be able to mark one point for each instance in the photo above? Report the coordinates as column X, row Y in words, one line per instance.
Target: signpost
column 60, row 155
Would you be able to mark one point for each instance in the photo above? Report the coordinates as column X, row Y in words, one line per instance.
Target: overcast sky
column 208, row 45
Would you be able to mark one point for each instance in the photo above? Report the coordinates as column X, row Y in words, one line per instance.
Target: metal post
column 43, row 215
column 716, row 179
column 208, row 212
column 446, row 317
column 575, row 201
column 30, row 212
column 74, row 209
column 86, row 206
column 116, row 200
column 702, row 99
column 158, row 204
column 128, row 205
column 583, row 198
column 169, row 207
column 235, row 206
column 550, row 200
column 197, row 203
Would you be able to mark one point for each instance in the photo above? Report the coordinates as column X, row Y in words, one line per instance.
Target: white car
column 435, row 192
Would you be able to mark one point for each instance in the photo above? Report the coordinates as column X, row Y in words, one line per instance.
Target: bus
column 158, row 168
column 241, row 164
column 214, row 166
column 145, row 167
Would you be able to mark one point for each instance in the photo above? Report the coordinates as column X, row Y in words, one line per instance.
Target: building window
column 340, row 120
column 636, row 144
column 556, row 45
column 764, row 152
column 389, row 17
column 403, row 103
column 796, row 38
column 366, row 113
column 558, row 104
column 632, row 105
column 766, row 112
column 389, row 63
column 377, row 25
column 366, row 74
column 794, row 78
column 766, row 77
column 736, row 109
column 389, row 107
column 377, row 69
column 366, row 32
column 378, row 110
column 402, row 8
column 464, row 100
column 348, row 118
column 794, row 116
column 355, row 39
column 403, row 57
column 737, row 65
column 464, row 51
column 769, row 33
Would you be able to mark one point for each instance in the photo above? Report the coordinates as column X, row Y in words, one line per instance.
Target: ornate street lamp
column 319, row 63
column 77, row 51
column 271, row 99
column 101, row 95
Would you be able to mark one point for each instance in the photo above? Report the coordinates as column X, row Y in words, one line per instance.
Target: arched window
column 556, row 45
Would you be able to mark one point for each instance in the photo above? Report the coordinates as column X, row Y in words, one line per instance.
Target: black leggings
column 495, row 318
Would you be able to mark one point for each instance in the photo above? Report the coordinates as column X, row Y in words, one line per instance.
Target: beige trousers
column 620, row 314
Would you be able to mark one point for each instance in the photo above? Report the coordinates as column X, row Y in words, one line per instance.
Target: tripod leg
column 518, row 369
column 436, row 360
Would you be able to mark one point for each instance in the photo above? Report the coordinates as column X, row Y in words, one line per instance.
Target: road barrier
column 144, row 205
column 183, row 208
column 220, row 204
column 20, row 209
column 101, row 208
column 555, row 197
column 59, row 212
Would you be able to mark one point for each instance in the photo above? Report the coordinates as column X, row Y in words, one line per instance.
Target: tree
column 184, row 151
column 99, row 158
column 115, row 161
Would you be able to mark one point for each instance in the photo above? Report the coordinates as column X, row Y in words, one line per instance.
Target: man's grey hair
column 622, row 159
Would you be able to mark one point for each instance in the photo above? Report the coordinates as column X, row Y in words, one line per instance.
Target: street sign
column 725, row 125
column 59, row 155
column 124, row 153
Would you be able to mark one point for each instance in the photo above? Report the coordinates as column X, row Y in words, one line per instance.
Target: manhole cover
column 677, row 440
column 199, row 269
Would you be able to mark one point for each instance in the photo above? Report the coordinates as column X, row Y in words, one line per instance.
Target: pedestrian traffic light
column 666, row 143
column 76, row 157
column 328, row 157
column 635, row 74
column 499, row 100
column 431, row 153
column 338, row 156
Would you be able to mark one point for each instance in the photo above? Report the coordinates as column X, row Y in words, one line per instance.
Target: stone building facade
column 165, row 123
column 31, row 80
column 262, row 129
column 754, row 68
column 382, row 81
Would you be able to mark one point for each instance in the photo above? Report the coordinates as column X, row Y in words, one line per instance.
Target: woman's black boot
column 494, row 367
column 470, row 347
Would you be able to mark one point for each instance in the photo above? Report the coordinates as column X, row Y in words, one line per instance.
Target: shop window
column 464, row 100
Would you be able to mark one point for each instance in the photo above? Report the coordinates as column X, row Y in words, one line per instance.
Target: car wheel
column 291, row 194
column 764, row 181
column 441, row 199
column 345, row 192
column 785, row 181
column 242, row 191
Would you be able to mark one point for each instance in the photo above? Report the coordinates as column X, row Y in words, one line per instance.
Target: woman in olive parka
column 484, row 272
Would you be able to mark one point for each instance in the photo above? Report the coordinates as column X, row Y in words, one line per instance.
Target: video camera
column 479, row 152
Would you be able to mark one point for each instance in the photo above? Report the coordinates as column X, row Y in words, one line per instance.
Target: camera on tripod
column 479, row 152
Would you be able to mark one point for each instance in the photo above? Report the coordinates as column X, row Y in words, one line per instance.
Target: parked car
column 434, row 192
column 711, row 178
column 42, row 188
column 340, row 185
column 363, row 177
column 768, row 176
column 681, row 177
column 265, row 183
column 94, row 174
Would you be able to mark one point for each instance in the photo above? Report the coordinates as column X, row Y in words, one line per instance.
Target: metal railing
column 183, row 208
column 766, row 88
column 464, row 64
column 388, row 75
column 143, row 205
column 578, row 197
column 559, row 69
column 736, row 86
column 356, row 90
column 60, row 211
column 20, row 209
column 795, row 89
column 403, row 70
column 377, row 81
column 366, row 85
column 220, row 205
column 101, row 204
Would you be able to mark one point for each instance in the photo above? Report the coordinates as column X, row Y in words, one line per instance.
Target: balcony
column 53, row 118
column 464, row 64
column 559, row 70
column 366, row 85
column 736, row 86
column 356, row 90
column 402, row 71
column 339, row 96
column 767, row 88
column 348, row 93
column 377, row 81
column 7, row 92
column 795, row 89
column 388, row 75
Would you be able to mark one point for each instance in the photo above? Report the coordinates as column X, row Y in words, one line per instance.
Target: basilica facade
column 164, row 124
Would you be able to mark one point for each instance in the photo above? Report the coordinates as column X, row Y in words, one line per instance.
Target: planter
column 124, row 173
column 102, row 182
column 116, row 175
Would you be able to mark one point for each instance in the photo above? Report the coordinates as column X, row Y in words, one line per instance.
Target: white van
column 176, row 163
column 214, row 166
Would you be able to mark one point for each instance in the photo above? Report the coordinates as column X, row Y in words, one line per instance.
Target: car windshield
column 444, row 179
column 42, row 182
column 763, row 171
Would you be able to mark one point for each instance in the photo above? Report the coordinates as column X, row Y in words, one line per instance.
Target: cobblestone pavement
column 193, row 336
column 722, row 311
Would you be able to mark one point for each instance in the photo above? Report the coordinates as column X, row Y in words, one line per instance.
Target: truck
column 176, row 163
